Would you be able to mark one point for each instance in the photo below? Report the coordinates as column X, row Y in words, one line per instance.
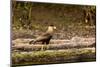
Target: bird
column 45, row 37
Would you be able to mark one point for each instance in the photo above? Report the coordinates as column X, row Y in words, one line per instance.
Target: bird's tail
column 32, row 42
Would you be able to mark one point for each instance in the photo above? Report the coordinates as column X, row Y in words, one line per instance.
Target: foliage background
column 32, row 18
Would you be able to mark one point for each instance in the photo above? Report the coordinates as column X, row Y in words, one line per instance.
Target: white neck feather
column 50, row 29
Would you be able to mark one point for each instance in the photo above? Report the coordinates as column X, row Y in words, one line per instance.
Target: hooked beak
column 54, row 27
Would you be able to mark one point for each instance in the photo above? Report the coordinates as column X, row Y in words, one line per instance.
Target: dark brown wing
column 44, row 36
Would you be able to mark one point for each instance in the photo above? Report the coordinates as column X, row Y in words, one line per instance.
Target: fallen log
column 53, row 56
column 37, row 47
column 76, row 42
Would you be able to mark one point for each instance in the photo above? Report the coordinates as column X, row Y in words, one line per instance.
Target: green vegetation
column 57, row 56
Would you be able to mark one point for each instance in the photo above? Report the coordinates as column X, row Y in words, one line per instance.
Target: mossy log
column 53, row 56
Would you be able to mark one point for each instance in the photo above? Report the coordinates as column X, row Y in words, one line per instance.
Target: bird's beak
column 54, row 27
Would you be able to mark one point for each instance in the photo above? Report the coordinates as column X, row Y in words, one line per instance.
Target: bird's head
column 51, row 28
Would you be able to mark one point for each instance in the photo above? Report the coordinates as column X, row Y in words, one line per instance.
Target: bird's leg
column 42, row 48
column 47, row 46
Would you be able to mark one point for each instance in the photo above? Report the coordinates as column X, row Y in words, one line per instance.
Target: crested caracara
column 45, row 37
